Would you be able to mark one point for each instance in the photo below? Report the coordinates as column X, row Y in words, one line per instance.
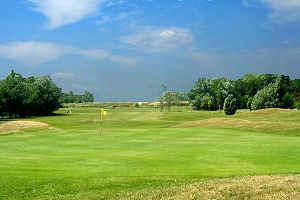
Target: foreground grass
column 145, row 150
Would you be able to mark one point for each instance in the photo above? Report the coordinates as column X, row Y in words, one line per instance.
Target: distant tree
column 88, row 97
column 70, row 97
column 162, row 99
column 230, row 105
column 182, row 96
column 162, row 103
column 168, row 99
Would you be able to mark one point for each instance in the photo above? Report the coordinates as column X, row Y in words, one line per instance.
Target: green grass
column 143, row 149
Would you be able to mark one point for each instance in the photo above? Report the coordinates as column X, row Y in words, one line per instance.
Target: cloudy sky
column 125, row 49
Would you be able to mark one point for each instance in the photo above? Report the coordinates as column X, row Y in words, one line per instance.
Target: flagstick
column 102, row 114
column 101, row 117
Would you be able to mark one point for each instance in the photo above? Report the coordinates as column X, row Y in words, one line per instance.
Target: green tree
column 268, row 97
column 201, row 88
column 21, row 97
column 221, row 87
column 274, row 95
column 210, row 94
column 287, row 101
column 46, row 96
column 14, row 94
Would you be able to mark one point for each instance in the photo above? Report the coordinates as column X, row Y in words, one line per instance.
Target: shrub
column 230, row 105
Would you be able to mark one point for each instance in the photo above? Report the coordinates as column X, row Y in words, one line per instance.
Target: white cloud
column 281, row 11
column 32, row 53
column 284, row 10
column 109, row 19
column 101, row 54
column 72, row 82
column 153, row 39
column 267, row 60
column 65, row 76
column 64, row 12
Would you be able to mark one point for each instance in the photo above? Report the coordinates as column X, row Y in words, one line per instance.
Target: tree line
column 33, row 96
column 249, row 92
column 70, row 97
column 22, row 97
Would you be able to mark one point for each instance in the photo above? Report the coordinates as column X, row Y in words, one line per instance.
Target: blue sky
column 124, row 50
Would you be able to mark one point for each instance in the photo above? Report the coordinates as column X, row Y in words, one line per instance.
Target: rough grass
column 146, row 150
column 244, row 188
column 240, row 124
column 267, row 120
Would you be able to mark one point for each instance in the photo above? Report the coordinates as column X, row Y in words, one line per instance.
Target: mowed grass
column 144, row 150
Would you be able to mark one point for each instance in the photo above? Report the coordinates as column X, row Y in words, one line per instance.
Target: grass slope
column 143, row 150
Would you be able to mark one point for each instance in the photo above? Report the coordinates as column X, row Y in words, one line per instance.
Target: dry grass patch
column 239, row 124
column 272, row 110
column 15, row 126
column 245, row 188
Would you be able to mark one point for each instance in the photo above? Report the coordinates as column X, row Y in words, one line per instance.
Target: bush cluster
column 250, row 92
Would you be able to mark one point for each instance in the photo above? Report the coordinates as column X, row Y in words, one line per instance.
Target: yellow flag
column 104, row 113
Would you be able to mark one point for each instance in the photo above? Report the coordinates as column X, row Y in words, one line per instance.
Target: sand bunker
column 15, row 126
